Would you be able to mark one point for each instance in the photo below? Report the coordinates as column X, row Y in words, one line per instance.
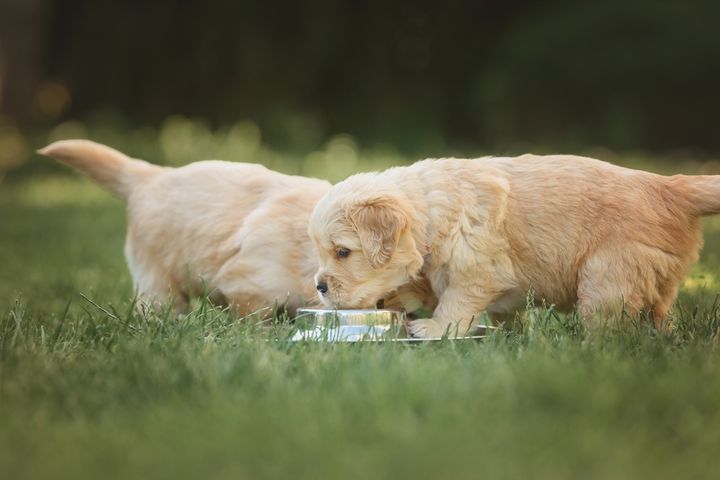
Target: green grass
column 91, row 389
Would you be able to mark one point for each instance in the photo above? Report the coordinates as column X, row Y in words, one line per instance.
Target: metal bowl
column 348, row 325
column 359, row 325
column 311, row 317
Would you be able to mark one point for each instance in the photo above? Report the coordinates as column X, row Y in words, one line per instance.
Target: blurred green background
column 421, row 78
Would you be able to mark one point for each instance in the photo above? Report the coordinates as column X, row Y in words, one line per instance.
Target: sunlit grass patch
column 55, row 191
column 701, row 279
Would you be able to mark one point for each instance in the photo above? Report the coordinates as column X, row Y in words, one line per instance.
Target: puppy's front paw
column 425, row 328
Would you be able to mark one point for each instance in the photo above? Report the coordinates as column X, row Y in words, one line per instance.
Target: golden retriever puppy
column 580, row 232
column 235, row 231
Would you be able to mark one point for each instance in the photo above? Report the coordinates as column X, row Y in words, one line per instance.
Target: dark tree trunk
column 23, row 30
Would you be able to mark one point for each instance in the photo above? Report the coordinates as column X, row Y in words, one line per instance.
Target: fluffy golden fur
column 580, row 232
column 235, row 231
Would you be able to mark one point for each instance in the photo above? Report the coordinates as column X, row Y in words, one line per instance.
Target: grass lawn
column 90, row 389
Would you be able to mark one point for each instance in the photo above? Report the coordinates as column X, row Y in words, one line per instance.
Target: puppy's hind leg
column 156, row 297
column 617, row 280
column 158, row 301
column 153, row 287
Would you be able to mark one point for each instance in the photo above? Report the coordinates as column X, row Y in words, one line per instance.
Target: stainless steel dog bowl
column 364, row 325
column 348, row 325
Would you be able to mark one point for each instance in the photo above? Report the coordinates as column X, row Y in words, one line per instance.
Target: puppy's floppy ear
column 378, row 223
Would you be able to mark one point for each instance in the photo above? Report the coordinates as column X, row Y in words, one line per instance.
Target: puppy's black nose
column 321, row 287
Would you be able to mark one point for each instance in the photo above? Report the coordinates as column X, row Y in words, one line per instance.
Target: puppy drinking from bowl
column 236, row 231
column 581, row 232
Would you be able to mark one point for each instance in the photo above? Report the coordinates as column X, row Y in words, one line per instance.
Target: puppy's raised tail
column 700, row 194
column 105, row 165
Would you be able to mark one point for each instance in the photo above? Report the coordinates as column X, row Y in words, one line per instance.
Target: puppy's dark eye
column 342, row 252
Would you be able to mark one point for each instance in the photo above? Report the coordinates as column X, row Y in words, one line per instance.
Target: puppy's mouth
column 340, row 305
column 326, row 301
column 356, row 299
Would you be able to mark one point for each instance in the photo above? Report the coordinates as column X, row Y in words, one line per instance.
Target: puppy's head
column 363, row 236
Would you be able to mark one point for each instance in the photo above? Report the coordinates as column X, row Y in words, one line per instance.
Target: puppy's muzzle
column 322, row 287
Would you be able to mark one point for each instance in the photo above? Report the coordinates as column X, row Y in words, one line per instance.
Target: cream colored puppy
column 236, row 231
column 579, row 231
